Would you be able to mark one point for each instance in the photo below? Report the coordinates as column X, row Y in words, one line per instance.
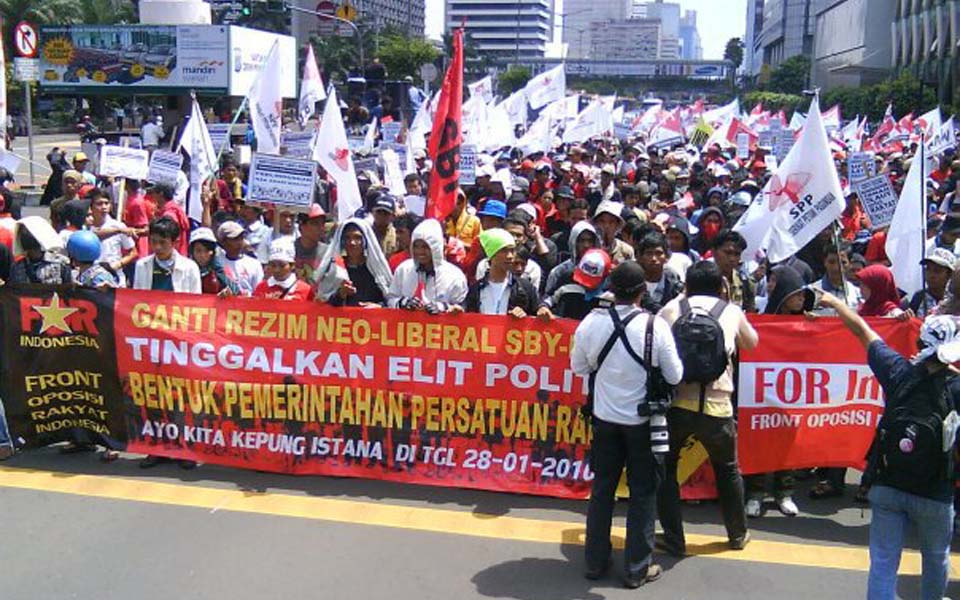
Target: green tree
column 107, row 12
column 402, row 55
column 38, row 12
column 513, row 79
column 791, row 76
column 734, row 52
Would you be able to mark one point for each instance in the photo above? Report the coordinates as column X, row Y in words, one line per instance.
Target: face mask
column 710, row 230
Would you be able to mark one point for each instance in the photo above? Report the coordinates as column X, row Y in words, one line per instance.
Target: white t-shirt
column 494, row 298
column 245, row 270
column 114, row 247
column 150, row 134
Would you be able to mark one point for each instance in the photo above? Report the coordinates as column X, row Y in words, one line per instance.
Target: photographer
column 705, row 410
column 608, row 345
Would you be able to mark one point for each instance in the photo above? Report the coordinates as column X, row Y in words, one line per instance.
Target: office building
column 690, row 48
column 788, row 27
column 852, row 42
column 926, row 41
column 752, row 56
column 631, row 39
column 578, row 15
column 503, row 28
column 407, row 15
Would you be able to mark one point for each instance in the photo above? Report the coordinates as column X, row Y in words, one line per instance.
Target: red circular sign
column 26, row 39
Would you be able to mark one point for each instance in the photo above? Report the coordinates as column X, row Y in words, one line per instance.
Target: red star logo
column 781, row 193
column 342, row 157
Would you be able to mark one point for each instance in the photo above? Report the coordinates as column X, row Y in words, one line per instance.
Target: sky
column 717, row 21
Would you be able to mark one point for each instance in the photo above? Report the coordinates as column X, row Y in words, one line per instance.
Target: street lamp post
column 563, row 27
column 335, row 18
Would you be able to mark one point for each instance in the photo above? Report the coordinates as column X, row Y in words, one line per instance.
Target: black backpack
column 909, row 444
column 700, row 343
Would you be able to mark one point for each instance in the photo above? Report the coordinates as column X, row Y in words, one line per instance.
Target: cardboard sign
column 392, row 172
column 468, row 165
column 743, row 145
column 281, row 180
column 860, row 166
column 298, row 144
column 771, row 162
column 116, row 161
column 164, row 167
column 878, row 199
column 219, row 135
column 391, row 131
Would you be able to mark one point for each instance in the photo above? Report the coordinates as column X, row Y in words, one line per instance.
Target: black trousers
column 719, row 438
column 613, row 447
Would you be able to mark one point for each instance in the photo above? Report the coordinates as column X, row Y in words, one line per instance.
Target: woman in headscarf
column 354, row 271
column 880, row 295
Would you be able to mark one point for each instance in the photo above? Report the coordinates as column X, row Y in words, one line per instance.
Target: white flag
column 727, row 111
column 546, row 87
column 539, row 138
column 930, row 121
column 311, row 87
column 474, row 121
column 482, row 88
column 333, row 153
column 801, row 199
column 203, row 158
column 907, row 234
column 265, row 103
column 516, row 107
column 370, row 139
column 500, row 132
column 594, row 120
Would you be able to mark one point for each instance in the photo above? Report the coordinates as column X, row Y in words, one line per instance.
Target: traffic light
column 247, row 8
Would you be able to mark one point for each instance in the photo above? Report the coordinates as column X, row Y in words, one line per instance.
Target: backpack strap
column 648, row 343
column 685, row 308
column 620, row 330
column 718, row 309
column 619, row 333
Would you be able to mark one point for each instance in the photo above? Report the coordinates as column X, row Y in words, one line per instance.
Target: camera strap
column 620, row 332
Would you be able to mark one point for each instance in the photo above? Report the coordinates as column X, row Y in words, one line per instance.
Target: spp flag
column 907, row 235
column 447, row 137
column 592, row 121
column 266, row 103
column 311, row 87
column 546, row 87
column 333, row 153
column 801, row 199
column 203, row 158
column 482, row 88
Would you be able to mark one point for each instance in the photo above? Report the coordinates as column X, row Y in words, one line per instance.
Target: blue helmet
column 83, row 246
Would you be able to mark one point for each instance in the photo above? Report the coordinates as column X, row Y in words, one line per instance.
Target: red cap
column 316, row 211
column 526, row 164
column 592, row 269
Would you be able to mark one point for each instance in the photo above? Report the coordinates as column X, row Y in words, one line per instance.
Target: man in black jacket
column 499, row 292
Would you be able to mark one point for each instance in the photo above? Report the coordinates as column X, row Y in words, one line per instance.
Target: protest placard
column 743, row 145
column 860, row 166
column 219, row 135
column 771, row 162
column 116, row 161
column 468, row 165
column 878, row 199
column 392, row 172
column 282, row 180
column 391, row 131
column 298, row 144
column 164, row 167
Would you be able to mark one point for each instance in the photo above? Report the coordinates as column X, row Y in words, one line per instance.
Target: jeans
column 719, row 438
column 893, row 510
column 613, row 447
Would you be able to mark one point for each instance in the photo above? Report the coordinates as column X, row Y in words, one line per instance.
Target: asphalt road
column 78, row 528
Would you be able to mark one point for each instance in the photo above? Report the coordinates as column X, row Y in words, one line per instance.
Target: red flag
column 446, row 137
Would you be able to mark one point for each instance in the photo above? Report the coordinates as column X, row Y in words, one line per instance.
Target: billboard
column 159, row 58
column 134, row 56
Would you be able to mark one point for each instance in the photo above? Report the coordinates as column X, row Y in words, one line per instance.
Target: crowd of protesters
column 605, row 225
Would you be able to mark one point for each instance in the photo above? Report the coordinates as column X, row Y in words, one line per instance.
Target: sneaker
column 6, row 452
column 634, row 580
column 754, row 508
column 788, row 507
column 740, row 543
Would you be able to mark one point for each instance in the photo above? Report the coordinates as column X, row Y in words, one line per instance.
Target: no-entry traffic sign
column 25, row 39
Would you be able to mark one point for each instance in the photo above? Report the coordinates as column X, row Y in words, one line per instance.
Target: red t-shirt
column 174, row 211
column 137, row 213
column 396, row 259
column 300, row 291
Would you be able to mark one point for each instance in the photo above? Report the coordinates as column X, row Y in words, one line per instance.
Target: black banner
column 58, row 370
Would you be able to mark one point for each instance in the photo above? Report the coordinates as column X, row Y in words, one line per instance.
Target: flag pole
column 843, row 276
column 236, row 117
column 923, row 220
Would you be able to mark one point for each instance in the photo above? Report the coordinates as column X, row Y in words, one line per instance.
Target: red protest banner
column 806, row 395
column 446, row 138
column 478, row 402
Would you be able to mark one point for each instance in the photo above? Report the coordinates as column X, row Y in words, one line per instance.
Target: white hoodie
column 447, row 285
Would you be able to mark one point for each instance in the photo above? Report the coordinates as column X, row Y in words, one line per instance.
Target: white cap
column 282, row 249
column 203, row 234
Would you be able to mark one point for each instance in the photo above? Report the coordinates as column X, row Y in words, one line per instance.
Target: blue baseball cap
column 493, row 208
